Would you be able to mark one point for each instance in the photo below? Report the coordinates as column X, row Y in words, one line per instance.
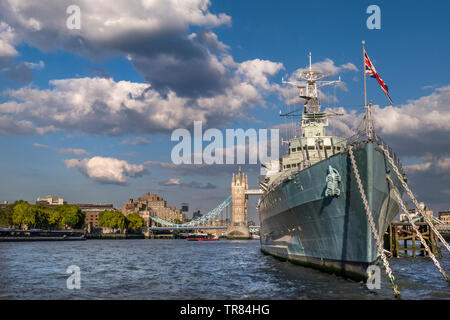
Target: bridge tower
column 239, row 207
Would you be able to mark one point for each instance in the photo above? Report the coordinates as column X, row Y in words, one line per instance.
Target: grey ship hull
column 299, row 223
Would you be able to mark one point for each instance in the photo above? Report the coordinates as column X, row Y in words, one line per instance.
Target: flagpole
column 366, row 111
column 364, row 71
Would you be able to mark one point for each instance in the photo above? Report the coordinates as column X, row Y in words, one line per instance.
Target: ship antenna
column 310, row 66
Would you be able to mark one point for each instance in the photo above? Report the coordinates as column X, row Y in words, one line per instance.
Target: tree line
column 116, row 220
column 23, row 215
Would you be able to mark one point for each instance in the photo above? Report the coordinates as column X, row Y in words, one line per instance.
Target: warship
column 312, row 210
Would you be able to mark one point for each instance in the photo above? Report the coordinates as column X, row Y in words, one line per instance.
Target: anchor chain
column 410, row 194
column 372, row 225
column 419, row 234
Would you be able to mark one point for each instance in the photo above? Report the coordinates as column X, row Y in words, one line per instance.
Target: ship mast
column 368, row 120
column 313, row 120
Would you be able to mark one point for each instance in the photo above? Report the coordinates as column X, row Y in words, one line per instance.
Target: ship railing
column 390, row 151
column 359, row 140
column 284, row 175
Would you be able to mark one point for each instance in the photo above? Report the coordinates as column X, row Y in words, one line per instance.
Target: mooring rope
column 419, row 234
column 372, row 225
column 410, row 194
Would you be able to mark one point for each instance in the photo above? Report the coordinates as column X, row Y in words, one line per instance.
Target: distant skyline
column 87, row 114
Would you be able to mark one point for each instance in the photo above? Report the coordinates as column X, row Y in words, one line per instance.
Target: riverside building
column 152, row 205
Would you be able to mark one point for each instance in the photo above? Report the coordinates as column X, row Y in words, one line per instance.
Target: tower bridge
column 237, row 228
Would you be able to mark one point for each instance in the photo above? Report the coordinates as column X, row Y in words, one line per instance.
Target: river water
column 178, row 269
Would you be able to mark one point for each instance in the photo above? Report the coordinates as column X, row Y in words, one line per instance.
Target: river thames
column 178, row 269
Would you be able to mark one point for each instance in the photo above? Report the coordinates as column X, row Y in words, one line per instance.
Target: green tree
column 6, row 216
column 42, row 214
column 112, row 219
column 24, row 215
column 134, row 222
column 55, row 219
column 71, row 216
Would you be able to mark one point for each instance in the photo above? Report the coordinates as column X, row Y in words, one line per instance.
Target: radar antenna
column 308, row 87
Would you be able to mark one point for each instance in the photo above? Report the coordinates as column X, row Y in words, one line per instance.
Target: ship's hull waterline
column 301, row 224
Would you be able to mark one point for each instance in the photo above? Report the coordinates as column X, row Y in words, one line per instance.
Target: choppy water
column 178, row 269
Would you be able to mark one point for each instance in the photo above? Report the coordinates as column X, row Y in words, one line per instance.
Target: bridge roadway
column 254, row 192
column 186, row 228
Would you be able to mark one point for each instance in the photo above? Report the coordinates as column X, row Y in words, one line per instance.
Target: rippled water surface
column 178, row 269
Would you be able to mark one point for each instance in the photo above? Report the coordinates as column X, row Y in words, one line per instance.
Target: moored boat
column 312, row 211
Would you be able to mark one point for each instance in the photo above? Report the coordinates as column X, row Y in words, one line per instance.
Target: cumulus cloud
column 418, row 117
column 7, row 41
column 107, row 170
column 9, row 126
column 257, row 71
column 19, row 72
column 155, row 35
column 103, row 106
column 190, row 75
column 417, row 128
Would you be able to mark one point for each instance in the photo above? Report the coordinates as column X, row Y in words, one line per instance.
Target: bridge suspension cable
column 210, row 216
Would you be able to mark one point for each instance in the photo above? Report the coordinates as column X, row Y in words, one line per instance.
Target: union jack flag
column 370, row 70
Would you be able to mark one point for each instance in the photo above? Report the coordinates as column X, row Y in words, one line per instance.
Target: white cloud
column 138, row 141
column 106, row 170
column 171, row 182
column 256, row 71
column 419, row 167
column 417, row 128
column 103, row 106
column 7, row 41
column 328, row 68
column 36, row 66
column 443, row 164
column 418, row 117
column 190, row 75
column 74, row 151
column 11, row 126
column 153, row 35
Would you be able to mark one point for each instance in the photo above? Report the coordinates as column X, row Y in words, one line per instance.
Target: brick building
column 152, row 205
column 444, row 216
column 92, row 212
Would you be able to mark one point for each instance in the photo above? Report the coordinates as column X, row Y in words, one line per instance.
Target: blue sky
column 410, row 52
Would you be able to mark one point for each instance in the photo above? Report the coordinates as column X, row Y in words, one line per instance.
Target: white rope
column 419, row 234
column 372, row 224
column 416, row 203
